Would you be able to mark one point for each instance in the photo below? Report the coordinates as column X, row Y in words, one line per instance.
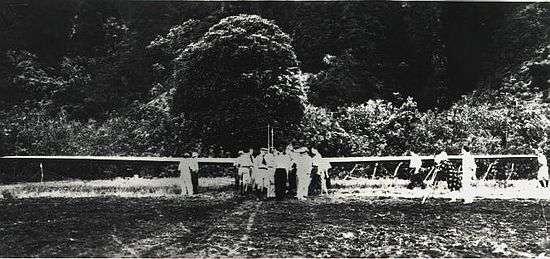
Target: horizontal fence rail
column 209, row 160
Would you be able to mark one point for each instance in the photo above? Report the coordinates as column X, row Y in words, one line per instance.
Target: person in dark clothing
column 194, row 166
column 282, row 166
column 292, row 180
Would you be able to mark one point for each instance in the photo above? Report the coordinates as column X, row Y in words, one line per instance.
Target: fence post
column 41, row 173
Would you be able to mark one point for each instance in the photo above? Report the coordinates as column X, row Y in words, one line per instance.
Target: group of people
column 300, row 172
column 282, row 173
column 459, row 181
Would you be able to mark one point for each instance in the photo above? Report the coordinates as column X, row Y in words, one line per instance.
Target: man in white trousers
column 261, row 172
column 244, row 167
column 304, row 165
column 185, row 176
column 468, row 175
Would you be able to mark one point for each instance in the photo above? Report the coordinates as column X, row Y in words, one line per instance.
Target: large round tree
column 239, row 77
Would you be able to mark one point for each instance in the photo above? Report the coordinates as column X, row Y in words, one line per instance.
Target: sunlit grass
column 123, row 187
column 492, row 189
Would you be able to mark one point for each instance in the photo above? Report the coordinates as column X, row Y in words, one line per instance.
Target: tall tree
column 239, row 77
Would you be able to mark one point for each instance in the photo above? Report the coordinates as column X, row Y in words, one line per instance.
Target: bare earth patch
column 220, row 223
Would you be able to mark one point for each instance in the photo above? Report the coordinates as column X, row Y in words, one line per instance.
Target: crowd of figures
column 301, row 172
column 459, row 181
column 284, row 173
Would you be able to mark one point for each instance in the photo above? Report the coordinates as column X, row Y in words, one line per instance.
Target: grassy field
column 120, row 187
column 219, row 223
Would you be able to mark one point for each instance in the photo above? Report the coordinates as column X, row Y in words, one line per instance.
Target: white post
column 511, row 172
column 41, row 173
column 374, row 171
column 272, row 140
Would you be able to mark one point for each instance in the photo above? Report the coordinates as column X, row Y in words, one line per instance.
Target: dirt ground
column 220, row 223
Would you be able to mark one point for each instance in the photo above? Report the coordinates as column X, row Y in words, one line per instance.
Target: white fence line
column 209, row 160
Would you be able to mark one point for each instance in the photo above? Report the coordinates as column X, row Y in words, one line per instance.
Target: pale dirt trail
column 227, row 234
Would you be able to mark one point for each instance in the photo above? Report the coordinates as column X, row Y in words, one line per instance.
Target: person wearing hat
column 244, row 166
column 270, row 176
column 304, row 165
column 185, row 176
column 542, row 174
column 261, row 165
column 283, row 164
column 194, row 166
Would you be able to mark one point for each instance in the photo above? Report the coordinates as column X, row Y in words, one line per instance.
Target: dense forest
column 98, row 77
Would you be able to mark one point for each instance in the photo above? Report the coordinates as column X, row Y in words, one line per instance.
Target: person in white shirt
column 416, row 162
column 194, row 167
column 468, row 174
column 244, row 167
column 185, row 176
column 282, row 167
column 322, row 169
column 542, row 174
column 238, row 175
column 261, row 166
column 304, row 164
column 416, row 179
column 270, row 176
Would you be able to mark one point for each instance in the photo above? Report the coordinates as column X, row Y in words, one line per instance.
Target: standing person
column 261, row 166
column 542, row 174
column 322, row 169
column 416, row 177
column 304, row 165
column 282, row 166
column 270, row 176
column 292, row 179
column 444, row 168
column 194, row 166
column 468, row 174
column 244, row 168
column 314, row 188
column 185, row 176
column 238, row 173
column 253, row 171
column 452, row 175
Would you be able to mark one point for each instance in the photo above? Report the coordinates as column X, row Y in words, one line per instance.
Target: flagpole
column 272, row 140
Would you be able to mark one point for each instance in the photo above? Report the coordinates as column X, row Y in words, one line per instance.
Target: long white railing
column 209, row 160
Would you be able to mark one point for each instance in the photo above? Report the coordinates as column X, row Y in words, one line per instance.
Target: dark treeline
column 92, row 66
column 433, row 52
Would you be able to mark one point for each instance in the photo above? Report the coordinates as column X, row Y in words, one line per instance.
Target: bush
column 7, row 195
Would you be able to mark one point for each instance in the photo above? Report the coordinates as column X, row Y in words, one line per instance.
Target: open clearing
column 219, row 223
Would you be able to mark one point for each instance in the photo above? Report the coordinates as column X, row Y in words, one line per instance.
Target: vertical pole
column 272, row 140
column 511, row 172
column 41, row 173
column 268, row 127
column 374, row 171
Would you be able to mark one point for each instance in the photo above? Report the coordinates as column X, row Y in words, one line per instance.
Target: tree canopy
column 239, row 77
column 197, row 75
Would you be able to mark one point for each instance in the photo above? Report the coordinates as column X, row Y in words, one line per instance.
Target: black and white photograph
column 274, row 129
